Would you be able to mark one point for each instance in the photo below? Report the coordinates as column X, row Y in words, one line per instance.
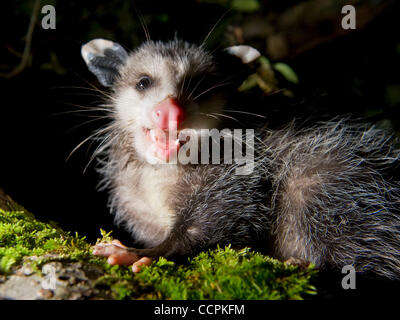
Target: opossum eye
column 144, row 83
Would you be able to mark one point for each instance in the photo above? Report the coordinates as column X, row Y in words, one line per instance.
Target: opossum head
column 161, row 90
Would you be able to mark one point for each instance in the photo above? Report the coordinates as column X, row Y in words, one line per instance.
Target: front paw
column 117, row 253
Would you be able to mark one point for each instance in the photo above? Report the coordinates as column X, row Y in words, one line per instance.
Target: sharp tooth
column 177, row 142
column 153, row 136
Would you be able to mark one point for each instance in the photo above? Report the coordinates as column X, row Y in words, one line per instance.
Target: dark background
column 341, row 72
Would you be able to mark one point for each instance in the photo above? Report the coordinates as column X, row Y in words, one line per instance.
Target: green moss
column 22, row 235
column 228, row 274
column 217, row 274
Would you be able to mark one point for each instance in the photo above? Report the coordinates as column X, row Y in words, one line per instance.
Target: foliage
column 216, row 274
column 22, row 235
column 265, row 77
column 228, row 274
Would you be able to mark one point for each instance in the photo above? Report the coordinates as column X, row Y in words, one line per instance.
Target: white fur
column 142, row 204
column 96, row 47
column 139, row 191
column 246, row 53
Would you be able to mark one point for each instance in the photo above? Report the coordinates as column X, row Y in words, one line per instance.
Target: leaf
column 286, row 71
column 263, row 60
column 249, row 83
column 245, row 5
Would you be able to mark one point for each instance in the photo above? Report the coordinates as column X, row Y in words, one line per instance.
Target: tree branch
column 28, row 41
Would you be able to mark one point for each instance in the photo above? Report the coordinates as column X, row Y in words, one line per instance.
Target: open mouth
column 163, row 143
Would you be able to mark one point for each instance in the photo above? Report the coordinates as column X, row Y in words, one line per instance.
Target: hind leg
column 293, row 227
column 334, row 217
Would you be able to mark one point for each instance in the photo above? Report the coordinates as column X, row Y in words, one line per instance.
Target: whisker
column 212, row 88
column 198, row 83
column 77, row 87
column 85, row 123
column 190, row 79
column 142, row 22
column 82, row 111
column 93, row 135
column 244, row 112
column 78, row 146
column 106, row 141
column 95, row 88
column 102, row 146
column 213, row 28
column 181, row 90
column 209, row 115
column 98, row 107
column 221, row 83
column 224, row 115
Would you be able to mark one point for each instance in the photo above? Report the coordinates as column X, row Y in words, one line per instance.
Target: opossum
column 325, row 194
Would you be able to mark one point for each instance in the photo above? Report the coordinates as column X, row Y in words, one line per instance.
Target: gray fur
column 323, row 194
column 334, row 200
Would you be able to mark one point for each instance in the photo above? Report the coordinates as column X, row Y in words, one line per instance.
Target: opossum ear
column 245, row 53
column 103, row 58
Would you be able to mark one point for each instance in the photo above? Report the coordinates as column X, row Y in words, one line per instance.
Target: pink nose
column 168, row 113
